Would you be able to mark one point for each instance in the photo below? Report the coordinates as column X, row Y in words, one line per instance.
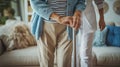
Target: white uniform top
column 99, row 3
column 90, row 11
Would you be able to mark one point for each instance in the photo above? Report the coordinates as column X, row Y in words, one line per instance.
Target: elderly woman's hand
column 72, row 21
column 76, row 20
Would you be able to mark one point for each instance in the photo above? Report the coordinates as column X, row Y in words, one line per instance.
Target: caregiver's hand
column 101, row 24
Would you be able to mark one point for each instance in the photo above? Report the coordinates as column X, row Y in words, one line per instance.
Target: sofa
column 103, row 56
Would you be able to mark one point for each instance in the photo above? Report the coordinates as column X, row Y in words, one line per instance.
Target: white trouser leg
column 87, row 35
column 86, row 50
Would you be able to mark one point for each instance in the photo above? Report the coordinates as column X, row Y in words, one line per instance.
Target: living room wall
column 110, row 15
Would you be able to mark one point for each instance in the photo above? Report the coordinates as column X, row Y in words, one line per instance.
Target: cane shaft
column 74, row 48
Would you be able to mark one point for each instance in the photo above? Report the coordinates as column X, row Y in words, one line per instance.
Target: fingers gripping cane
column 74, row 48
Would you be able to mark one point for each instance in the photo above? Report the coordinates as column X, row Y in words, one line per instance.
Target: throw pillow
column 113, row 37
column 20, row 37
column 16, row 35
column 100, row 38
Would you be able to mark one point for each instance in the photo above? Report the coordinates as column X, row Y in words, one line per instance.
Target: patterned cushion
column 16, row 35
column 100, row 38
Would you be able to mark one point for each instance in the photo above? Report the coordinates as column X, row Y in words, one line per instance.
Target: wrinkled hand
column 65, row 20
column 72, row 21
column 101, row 24
column 76, row 20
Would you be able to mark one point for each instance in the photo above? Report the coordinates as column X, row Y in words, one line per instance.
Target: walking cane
column 74, row 48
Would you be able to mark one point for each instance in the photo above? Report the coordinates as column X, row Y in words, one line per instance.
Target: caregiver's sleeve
column 41, row 8
column 99, row 3
column 80, row 5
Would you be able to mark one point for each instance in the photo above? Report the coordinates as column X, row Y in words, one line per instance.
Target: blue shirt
column 42, row 11
column 58, row 6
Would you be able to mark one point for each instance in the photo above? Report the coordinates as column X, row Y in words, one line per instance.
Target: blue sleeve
column 80, row 5
column 41, row 8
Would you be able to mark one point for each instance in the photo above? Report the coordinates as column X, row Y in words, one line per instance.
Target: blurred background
column 23, row 11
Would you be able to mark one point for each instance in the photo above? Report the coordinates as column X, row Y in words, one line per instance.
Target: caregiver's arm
column 99, row 4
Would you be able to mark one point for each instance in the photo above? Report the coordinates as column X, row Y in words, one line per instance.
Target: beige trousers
column 54, row 37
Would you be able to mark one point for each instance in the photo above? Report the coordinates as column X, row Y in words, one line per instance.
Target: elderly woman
column 50, row 20
column 52, row 24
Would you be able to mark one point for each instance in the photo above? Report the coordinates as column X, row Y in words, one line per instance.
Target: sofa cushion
column 117, row 36
column 27, row 56
column 113, row 36
column 110, row 35
column 20, row 37
column 16, row 35
column 100, row 38
column 107, row 55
